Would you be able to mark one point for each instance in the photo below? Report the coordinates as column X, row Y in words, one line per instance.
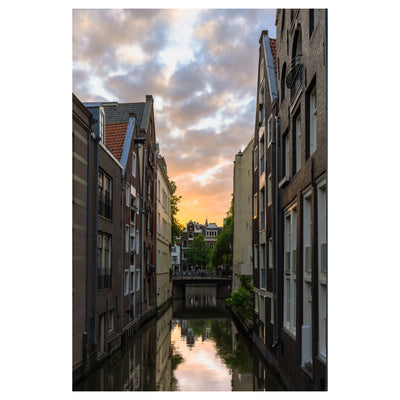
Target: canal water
column 193, row 346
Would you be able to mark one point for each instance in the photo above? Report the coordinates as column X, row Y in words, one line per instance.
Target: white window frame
column 290, row 268
column 126, row 282
column 269, row 188
column 255, row 201
column 127, row 194
column 262, row 153
column 298, row 143
column 313, row 121
column 322, row 271
column 138, row 279
column 306, row 347
column 270, row 253
column 269, row 131
column 134, row 161
column 111, row 318
column 126, row 238
column 263, row 267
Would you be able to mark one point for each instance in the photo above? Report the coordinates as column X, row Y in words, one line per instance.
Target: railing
column 202, row 273
column 294, row 75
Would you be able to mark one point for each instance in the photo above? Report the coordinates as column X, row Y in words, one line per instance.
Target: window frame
column 290, row 271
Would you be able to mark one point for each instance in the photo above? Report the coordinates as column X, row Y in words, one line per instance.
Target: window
column 297, row 144
column 261, row 107
column 126, row 291
column 137, row 279
column 158, row 190
column 290, row 229
column 127, row 194
column 149, row 188
column 262, row 209
column 211, row 245
column 314, row 15
column 104, row 195
column 256, row 259
column 126, row 239
column 307, row 231
column 262, row 163
column 132, row 281
column 103, row 261
column 269, row 189
column 111, row 317
column 306, row 329
column 269, row 133
column 322, row 267
column 270, row 253
column 255, row 160
column 132, row 246
column 134, row 164
column 313, row 120
column 263, row 274
column 283, row 21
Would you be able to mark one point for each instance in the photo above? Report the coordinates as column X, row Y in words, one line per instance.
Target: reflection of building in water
column 203, row 296
column 190, row 338
column 163, row 343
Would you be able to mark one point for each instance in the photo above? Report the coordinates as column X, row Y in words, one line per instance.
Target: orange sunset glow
column 200, row 66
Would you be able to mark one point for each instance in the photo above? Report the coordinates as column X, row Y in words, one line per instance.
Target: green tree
column 222, row 254
column 176, row 226
column 198, row 251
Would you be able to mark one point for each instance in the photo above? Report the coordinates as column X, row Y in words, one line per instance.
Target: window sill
column 321, row 358
column 283, row 182
column 290, row 334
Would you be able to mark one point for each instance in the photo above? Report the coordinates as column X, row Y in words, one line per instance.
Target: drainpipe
column 276, row 231
column 92, row 122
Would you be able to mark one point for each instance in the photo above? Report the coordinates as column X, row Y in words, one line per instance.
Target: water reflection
column 194, row 345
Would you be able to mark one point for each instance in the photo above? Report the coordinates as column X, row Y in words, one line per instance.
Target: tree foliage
column 198, row 251
column 241, row 300
column 222, row 254
column 176, row 226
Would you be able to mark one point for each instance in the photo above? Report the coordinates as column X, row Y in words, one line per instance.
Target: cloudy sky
column 201, row 68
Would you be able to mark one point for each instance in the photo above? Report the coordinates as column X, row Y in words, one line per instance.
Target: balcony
column 294, row 76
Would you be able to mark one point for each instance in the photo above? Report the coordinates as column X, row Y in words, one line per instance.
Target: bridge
column 220, row 280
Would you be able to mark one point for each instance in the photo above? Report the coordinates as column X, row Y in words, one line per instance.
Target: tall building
column 242, row 215
column 290, row 258
column 102, row 235
column 264, row 201
column 164, row 192
column 302, row 72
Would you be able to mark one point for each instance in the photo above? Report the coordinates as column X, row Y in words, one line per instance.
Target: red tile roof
column 272, row 43
column 115, row 137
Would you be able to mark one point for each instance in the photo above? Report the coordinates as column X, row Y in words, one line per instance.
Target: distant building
column 242, row 215
column 176, row 256
column 210, row 232
column 164, row 192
